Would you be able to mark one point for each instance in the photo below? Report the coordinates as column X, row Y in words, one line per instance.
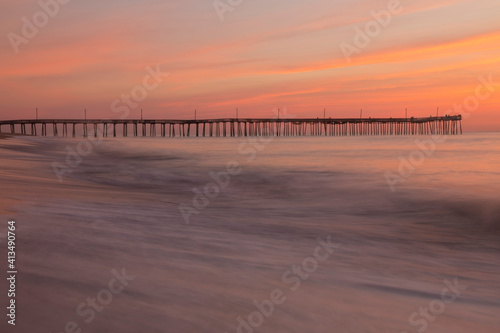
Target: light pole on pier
column 194, row 114
column 36, row 113
column 85, row 114
column 141, row 114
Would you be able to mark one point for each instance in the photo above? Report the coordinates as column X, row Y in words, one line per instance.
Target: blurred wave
column 119, row 207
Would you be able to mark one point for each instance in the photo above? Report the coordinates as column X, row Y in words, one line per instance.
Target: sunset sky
column 262, row 55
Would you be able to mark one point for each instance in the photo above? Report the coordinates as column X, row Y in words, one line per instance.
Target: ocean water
column 228, row 234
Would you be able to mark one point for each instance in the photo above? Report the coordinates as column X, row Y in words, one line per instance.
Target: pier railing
column 235, row 127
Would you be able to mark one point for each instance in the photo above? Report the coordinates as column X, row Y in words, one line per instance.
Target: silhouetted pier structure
column 236, row 127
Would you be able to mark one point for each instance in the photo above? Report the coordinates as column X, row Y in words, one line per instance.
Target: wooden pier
column 235, row 127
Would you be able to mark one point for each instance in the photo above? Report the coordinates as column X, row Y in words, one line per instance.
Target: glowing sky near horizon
column 264, row 55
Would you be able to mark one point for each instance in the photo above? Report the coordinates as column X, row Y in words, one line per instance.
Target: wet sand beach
column 107, row 248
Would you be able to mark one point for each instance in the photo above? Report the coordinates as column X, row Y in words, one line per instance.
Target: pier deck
column 235, row 127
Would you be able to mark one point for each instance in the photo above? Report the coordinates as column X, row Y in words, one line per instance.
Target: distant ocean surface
column 192, row 235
